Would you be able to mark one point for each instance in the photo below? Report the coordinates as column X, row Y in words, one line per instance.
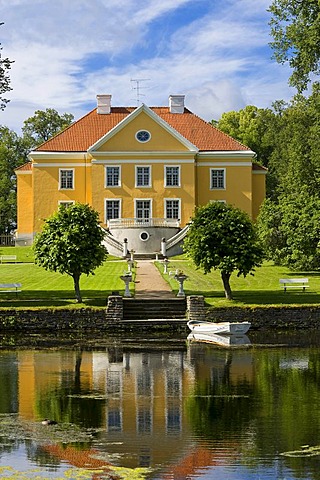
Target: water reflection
column 182, row 410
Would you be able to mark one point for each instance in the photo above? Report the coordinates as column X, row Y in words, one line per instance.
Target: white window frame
column 105, row 208
column 106, row 176
column 165, row 176
column 166, row 200
column 60, row 178
column 143, row 200
column 136, row 176
column 224, row 178
column 66, row 202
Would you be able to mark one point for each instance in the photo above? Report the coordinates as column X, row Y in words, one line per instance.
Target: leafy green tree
column 70, row 242
column 253, row 127
column 5, row 66
column 13, row 153
column 222, row 237
column 290, row 230
column 295, row 27
column 45, row 124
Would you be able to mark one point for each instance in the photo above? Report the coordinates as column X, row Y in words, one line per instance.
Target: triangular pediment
column 123, row 137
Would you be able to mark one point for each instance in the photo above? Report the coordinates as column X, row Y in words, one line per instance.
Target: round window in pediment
column 143, row 136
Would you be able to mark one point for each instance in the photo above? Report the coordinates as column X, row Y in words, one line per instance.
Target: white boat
column 224, row 340
column 229, row 328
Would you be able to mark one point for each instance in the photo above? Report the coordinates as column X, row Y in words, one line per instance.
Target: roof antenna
column 138, row 87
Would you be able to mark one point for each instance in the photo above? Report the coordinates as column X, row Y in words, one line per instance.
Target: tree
column 295, row 27
column 70, row 242
column 5, row 66
column 290, row 230
column 222, row 237
column 44, row 125
column 13, row 153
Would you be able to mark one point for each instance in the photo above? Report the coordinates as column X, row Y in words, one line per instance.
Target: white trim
column 62, row 202
column 224, row 164
column 62, row 165
column 105, row 207
column 227, row 153
column 259, row 172
column 153, row 116
column 136, row 176
column 145, row 153
column 62, row 155
column 165, row 176
column 139, row 200
column 23, row 172
column 105, row 176
column 211, row 188
column 146, row 161
column 165, row 208
column 73, row 179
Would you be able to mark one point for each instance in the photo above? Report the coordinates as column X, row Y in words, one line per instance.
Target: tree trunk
column 226, row 285
column 76, row 279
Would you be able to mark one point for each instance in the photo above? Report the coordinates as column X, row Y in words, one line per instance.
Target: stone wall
column 110, row 319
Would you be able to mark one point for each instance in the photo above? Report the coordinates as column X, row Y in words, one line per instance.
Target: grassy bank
column 41, row 288
column 260, row 289
column 45, row 289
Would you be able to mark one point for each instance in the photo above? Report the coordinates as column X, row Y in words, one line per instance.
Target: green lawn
column 43, row 288
column 260, row 289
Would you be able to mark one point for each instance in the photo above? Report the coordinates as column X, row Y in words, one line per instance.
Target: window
column 172, row 208
column 143, row 176
column 172, row 176
column 143, row 136
column 112, row 209
column 113, row 176
column 143, row 209
column 66, row 179
column 66, row 203
column 218, row 178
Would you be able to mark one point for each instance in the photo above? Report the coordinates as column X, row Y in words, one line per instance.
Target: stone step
column 154, row 308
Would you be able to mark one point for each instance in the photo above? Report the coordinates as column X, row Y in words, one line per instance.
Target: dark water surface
column 160, row 408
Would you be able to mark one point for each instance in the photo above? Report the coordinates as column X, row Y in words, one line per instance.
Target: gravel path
column 149, row 282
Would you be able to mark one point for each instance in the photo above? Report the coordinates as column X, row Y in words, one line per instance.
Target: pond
column 160, row 408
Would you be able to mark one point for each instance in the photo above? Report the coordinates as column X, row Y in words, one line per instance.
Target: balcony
column 143, row 222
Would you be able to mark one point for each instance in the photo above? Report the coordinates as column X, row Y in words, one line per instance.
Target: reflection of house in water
column 141, row 396
column 145, row 410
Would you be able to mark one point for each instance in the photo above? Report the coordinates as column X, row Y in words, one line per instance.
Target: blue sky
column 215, row 52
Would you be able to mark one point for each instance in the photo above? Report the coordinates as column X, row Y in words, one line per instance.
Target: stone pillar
column 196, row 309
column 114, row 310
column 125, row 247
column 164, row 247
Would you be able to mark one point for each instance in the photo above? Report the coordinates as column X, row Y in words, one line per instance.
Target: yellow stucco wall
column 258, row 192
column 238, row 186
column 25, row 203
column 124, row 139
column 47, row 193
column 128, row 192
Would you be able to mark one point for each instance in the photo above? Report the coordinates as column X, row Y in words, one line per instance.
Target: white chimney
column 103, row 104
column 176, row 103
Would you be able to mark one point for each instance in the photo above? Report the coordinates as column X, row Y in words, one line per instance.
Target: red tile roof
column 89, row 129
column 25, row 167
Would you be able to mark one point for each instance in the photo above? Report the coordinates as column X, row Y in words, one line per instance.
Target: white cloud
column 215, row 59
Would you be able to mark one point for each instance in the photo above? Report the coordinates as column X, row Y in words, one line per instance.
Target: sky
column 65, row 52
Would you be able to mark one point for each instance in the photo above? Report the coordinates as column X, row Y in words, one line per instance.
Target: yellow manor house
column 143, row 169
